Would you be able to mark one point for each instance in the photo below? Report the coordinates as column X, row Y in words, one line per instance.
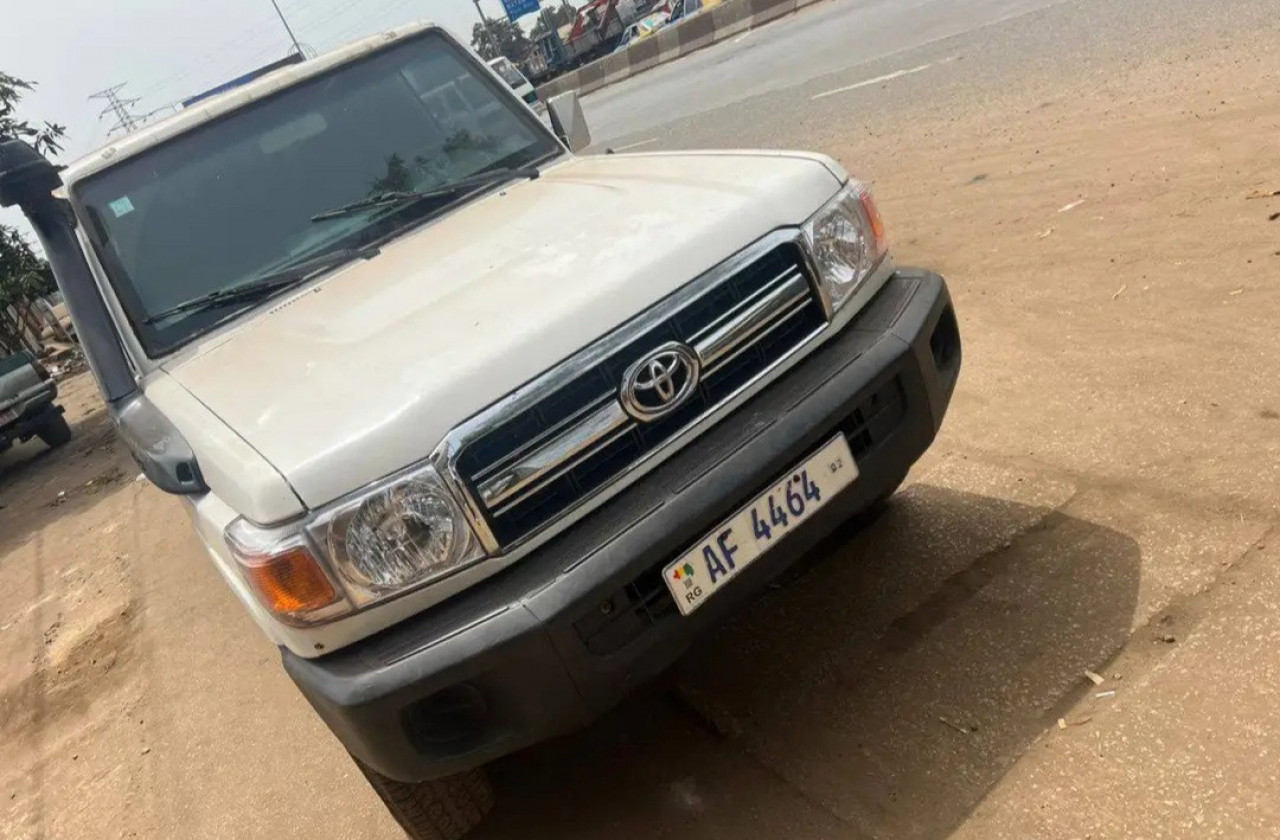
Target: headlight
column 387, row 539
column 847, row 241
column 400, row 536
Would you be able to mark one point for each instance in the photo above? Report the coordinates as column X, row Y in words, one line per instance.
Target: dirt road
column 1102, row 498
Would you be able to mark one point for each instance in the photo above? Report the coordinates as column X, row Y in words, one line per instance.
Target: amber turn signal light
column 290, row 582
column 877, row 224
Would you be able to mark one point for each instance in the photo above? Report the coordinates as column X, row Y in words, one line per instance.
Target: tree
column 24, row 276
column 46, row 139
column 509, row 37
column 553, row 18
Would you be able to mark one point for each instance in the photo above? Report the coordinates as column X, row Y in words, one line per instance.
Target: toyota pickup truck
column 27, row 407
column 483, row 431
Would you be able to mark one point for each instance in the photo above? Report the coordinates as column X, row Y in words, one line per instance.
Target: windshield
column 233, row 200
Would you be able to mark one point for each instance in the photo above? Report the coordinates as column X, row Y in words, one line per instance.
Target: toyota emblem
column 658, row 383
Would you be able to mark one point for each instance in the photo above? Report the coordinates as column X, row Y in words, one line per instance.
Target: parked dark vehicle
column 27, row 407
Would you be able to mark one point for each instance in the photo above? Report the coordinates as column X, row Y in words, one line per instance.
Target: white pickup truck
column 481, row 431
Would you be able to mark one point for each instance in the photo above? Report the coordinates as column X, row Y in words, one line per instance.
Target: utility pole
column 296, row 46
column 488, row 31
column 125, row 121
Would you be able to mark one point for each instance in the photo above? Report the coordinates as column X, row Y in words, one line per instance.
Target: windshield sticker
column 121, row 206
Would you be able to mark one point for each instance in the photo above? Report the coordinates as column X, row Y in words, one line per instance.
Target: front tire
column 440, row 809
column 56, row 432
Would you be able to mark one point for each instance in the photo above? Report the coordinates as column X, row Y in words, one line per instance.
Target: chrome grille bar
column 565, row 447
column 765, row 291
column 583, row 417
column 522, row 474
column 746, row 324
column 785, row 315
column 564, row 466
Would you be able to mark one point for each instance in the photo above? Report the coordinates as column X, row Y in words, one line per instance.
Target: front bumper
column 37, row 410
column 548, row 644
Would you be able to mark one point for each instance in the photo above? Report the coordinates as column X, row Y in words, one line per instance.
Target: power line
column 194, row 66
column 332, row 16
column 198, row 67
column 364, row 25
column 204, row 65
column 125, row 120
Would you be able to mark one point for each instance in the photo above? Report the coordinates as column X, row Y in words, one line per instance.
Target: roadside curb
column 731, row 18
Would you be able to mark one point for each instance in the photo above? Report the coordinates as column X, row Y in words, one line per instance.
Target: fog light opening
column 452, row 716
column 944, row 344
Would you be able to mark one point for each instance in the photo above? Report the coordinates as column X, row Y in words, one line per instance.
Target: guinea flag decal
column 683, row 572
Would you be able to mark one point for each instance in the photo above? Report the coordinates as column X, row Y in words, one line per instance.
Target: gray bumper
column 547, row 645
column 35, row 408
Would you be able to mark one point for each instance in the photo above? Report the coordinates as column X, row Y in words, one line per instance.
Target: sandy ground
column 1102, row 498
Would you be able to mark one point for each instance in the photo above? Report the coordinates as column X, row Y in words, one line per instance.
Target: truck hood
column 364, row 372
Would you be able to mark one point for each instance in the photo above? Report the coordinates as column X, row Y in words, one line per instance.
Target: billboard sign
column 517, row 9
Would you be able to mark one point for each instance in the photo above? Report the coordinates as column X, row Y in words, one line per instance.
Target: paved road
column 833, row 37
column 846, row 63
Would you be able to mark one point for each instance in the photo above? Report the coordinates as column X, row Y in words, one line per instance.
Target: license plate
column 754, row 529
column 8, row 416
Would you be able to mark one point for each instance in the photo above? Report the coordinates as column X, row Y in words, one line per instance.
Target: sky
column 166, row 50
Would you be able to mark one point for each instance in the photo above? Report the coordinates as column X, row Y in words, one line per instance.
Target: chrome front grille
column 566, row 438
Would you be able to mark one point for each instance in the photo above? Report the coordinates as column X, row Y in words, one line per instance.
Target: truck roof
column 231, row 100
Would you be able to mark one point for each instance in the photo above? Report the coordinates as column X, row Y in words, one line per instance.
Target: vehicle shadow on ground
column 880, row 695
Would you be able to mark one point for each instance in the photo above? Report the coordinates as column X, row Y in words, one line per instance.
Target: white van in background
column 511, row 74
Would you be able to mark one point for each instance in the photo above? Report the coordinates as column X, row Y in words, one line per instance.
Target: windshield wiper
column 268, row 284
column 406, row 196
